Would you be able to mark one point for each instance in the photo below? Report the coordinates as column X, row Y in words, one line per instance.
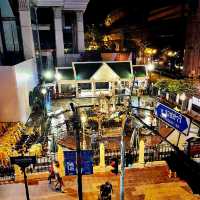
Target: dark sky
column 160, row 32
column 97, row 10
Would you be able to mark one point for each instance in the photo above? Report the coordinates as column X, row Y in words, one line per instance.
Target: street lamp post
column 122, row 160
column 76, row 120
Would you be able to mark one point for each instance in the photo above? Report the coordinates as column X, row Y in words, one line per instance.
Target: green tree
column 92, row 37
column 177, row 86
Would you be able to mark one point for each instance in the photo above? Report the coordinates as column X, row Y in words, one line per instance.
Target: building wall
column 9, row 111
column 15, row 84
column 192, row 47
column 26, row 80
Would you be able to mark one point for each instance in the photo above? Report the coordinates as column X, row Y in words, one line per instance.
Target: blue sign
column 173, row 118
column 86, row 162
column 70, row 162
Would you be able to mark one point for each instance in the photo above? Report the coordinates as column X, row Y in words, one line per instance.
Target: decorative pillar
column 60, row 157
column 77, row 93
column 189, row 108
column 113, row 88
column 192, row 46
column 93, row 89
column 59, row 36
column 80, row 31
column 141, row 152
column 59, row 88
column 167, row 96
column 84, row 139
column 26, row 29
column 177, row 98
column 159, row 92
column 18, row 173
column 102, row 155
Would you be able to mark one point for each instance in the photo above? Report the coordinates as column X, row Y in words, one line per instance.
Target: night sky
column 162, row 33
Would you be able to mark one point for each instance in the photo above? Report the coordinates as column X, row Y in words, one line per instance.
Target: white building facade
column 59, row 26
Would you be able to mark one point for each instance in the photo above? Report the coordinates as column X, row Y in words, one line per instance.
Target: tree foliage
column 177, row 86
column 92, row 37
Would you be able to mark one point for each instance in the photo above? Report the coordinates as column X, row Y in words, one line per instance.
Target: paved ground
column 150, row 183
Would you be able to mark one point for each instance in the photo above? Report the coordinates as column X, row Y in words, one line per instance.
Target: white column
column 93, row 89
column 102, row 155
column 177, row 98
column 84, row 139
column 167, row 96
column 141, row 152
column 189, row 105
column 59, row 88
column 59, row 36
column 77, row 93
column 80, row 31
column 26, row 29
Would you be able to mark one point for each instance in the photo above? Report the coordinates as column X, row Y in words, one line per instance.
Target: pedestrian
column 59, row 182
column 106, row 191
column 51, row 173
column 114, row 164
column 171, row 161
column 129, row 159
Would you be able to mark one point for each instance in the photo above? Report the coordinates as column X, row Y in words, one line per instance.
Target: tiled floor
column 150, row 183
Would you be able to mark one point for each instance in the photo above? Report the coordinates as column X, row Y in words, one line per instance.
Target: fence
column 42, row 165
column 109, row 154
column 7, row 173
column 157, row 153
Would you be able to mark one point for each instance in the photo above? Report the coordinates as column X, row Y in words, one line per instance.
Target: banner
column 86, row 162
column 70, row 162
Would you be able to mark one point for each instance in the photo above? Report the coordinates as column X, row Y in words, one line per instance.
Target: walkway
column 151, row 183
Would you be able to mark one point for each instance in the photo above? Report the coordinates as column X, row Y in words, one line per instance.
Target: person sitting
column 105, row 191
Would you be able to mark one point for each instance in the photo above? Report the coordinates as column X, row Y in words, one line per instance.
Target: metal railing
column 42, row 165
column 109, row 154
column 7, row 173
column 157, row 153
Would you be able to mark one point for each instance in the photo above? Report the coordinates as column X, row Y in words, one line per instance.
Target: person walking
column 114, row 164
column 59, row 182
column 51, row 173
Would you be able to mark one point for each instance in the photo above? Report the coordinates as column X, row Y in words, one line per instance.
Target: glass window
column 84, row 86
column 102, row 85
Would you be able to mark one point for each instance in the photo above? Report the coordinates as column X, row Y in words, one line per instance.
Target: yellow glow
column 171, row 53
column 83, row 118
column 48, row 75
column 58, row 76
column 150, row 51
column 108, row 20
column 154, row 51
column 44, row 91
column 150, row 67
column 183, row 97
